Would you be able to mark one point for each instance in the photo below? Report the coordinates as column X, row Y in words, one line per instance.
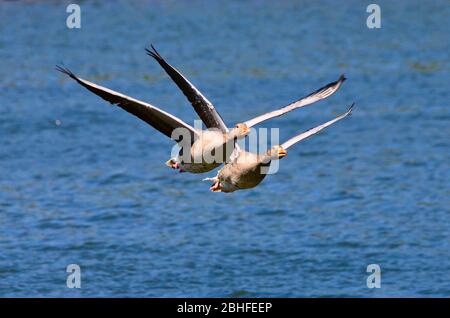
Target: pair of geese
column 242, row 169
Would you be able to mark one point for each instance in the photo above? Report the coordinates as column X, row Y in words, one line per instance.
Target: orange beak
column 282, row 153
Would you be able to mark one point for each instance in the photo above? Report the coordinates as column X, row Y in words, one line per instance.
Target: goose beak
column 282, row 153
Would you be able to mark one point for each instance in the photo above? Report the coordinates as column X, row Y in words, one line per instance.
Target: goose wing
column 204, row 108
column 321, row 93
column 315, row 130
column 155, row 117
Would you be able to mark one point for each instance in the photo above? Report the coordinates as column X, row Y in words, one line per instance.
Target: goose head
column 240, row 131
column 276, row 152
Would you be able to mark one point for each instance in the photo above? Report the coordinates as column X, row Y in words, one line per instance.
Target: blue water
column 94, row 190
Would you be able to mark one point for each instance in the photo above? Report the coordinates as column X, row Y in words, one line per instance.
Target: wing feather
column 319, row 94
column 315, row 130
column 155, row 117
column 202, row 106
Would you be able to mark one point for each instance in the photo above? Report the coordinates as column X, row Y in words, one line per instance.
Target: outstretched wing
column 155, row 117
column 321, row 93
column 204, row 108
column 315, row 130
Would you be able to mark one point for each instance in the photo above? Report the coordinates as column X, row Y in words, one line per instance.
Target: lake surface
column 85, row 183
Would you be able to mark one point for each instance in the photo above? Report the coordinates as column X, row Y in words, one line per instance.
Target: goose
column 245, row 171
column 208, row 113
column 201, row 144
column 201, row 150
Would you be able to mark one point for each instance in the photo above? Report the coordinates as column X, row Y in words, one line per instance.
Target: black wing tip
column 330, row 88
column 350, row 109
column 65, row 71
column 153, row 52
column 154, row 49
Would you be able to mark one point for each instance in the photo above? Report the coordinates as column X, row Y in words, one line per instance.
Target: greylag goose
column 208, row 113
column 245, row 171
column 205, row 146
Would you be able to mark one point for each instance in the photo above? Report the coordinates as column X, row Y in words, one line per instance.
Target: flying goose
column 245, row 171
column 201, row 143
column 208, row 113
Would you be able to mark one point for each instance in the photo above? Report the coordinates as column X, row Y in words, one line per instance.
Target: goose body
column 244, row 172
column 209, row 151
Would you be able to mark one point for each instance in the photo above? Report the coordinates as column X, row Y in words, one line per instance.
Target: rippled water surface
column 83, row 182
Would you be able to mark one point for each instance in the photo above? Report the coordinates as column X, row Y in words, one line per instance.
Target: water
column 83, row 182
